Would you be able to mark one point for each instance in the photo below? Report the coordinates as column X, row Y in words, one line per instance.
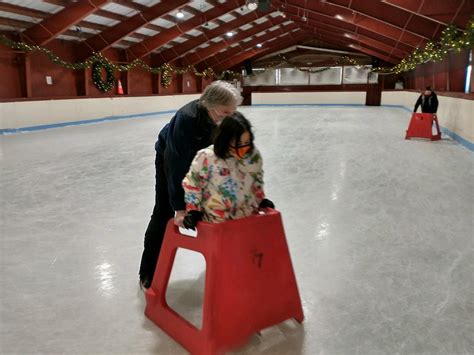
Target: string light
column 452, row 39
column 344, row 60
column 105, row 63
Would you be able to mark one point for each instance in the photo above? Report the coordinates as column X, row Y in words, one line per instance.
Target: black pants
column 155, row 232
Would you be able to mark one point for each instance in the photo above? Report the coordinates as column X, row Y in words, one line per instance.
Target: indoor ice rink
column 376, row 200
column 379, row 229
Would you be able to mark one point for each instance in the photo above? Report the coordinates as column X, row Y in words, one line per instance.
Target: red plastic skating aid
column 250, row 283
column 420, row 126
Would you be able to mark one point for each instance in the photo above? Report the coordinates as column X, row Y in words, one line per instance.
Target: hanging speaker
column 248, row 67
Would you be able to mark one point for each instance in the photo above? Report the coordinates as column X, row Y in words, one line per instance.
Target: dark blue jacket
column 189, row 130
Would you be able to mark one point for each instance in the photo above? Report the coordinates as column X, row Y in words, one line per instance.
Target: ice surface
column 380, row 230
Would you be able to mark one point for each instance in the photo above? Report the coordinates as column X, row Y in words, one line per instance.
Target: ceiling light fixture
column 229, row 34
column 252, row 4
column 339, row 17
column 180, row 14
column 259, row 45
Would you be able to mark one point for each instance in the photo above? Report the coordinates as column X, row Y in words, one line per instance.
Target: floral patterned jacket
column 224, row 188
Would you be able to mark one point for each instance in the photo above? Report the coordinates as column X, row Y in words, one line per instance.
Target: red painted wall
column 139, row 82
column 173, row 88
column 457, row 71
column 446, row 75
column 206, row 82
column 428, row 74
column 136, row 81
column 63, row 80
column 70, row 83
column 10, row 66
column 388, row 81
column 441, row 70
column 419, row 78
column 189, row 83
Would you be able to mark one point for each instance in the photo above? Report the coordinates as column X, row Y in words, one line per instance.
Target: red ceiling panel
column 387, row 29
column 60, row 22
column 214, row 48
column 283, row 41
column 298, row 38
column 363, row 41
column 391, row 15
column 249, row 44
column 356, row 37
column 115, row 33
column 350, row 20
column 148, row 45
column 336, row 38
column 319, row 28
column 181, row 49
column 456, row 12
column 390, row 41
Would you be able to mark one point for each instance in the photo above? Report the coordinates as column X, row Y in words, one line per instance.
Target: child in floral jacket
column 225, row 180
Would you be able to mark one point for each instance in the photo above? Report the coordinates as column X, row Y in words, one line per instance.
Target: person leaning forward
column 189, row 131
column 428, row 100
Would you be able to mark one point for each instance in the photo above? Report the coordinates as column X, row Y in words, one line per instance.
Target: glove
column 266, row 203
column 191, row 219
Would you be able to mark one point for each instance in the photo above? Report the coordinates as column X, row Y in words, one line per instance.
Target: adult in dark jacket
column 428, row 101
column 189, row 130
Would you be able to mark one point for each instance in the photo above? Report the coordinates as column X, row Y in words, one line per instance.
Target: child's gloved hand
column 191, row 219
column 266, row 203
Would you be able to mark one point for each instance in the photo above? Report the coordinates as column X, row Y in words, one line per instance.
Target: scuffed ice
column 380, row 230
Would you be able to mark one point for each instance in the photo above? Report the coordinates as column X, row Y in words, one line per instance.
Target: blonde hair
column 220, row 93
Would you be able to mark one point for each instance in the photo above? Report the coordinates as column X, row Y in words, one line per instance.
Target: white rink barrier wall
column 455, row 115
column 305, row 98
column 34, row 115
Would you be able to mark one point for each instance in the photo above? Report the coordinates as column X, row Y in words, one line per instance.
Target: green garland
column 109, row 82
column 451, row 39
column 166, row 76
column 137, row 63
column 344, row 60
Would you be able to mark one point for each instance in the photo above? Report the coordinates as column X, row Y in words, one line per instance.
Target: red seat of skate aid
column 250, row 282
column 420, row 126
